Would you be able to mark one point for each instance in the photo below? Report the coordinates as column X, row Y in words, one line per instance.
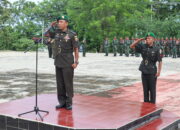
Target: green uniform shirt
column 63, row 47
column 150, row 56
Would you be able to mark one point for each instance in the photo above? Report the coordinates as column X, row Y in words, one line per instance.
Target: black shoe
column 69, row 107
column 60, row 106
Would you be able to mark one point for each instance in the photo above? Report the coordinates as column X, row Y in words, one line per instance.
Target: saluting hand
column 53, row 23
column 140, row 39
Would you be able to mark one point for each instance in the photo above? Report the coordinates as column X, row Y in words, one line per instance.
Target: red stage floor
column 123, row 107
column 88, row 111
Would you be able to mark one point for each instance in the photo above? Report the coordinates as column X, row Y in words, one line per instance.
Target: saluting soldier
column 115, row 46
column 150, row 54
column 65, row 43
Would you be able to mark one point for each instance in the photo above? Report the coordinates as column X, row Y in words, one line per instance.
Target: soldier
column 65, row 42
column 115, row 46
column 174, row 49
column 178, row 47
column 84, row 47
column 121, row 46
column 132, row 50
column 166, row 47
column 161, row 43
column 127, row 42
column 170, row 46
column 150, row 54
column 106, row 46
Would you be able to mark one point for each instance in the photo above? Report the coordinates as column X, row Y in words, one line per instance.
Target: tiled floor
column 88, row 111
column 100, row 112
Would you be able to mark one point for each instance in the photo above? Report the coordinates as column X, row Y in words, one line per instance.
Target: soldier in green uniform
column 121, row 46
column 178, row 47
column 170, row 45
column 115, row 46
column 106, row 46
column 150, row 54
column 132, row 50
column 64, row 44
column 127, row 42
column 174, row 49
column 166, row 47
column 84, row 47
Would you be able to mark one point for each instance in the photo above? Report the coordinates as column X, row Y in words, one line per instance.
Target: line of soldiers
column 170, row 47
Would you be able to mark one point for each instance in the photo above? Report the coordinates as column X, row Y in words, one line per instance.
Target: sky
column 26, row 0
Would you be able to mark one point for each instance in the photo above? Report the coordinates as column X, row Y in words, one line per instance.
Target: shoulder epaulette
column 74, row 33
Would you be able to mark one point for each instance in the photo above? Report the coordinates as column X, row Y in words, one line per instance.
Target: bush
column 22, row 44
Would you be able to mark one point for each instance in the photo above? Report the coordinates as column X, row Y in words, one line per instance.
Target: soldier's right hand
column 53, row 23
column 141, row 39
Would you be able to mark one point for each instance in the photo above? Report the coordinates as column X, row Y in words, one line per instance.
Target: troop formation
column 170, row 46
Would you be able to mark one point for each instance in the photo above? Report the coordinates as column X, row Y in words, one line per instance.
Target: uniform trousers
column 149, row 87
column 64, row 80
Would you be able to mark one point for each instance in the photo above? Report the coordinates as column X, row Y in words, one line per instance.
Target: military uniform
column 166, row 48
column 174, row 48
column 127, row 44
column 115, row 46
column 106, row 47
column 63, row 47
column 84, row 47
column 150, row 55
column 178, row 47
column 121, row 46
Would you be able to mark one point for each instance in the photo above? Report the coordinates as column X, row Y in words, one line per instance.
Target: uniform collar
column 150, row 46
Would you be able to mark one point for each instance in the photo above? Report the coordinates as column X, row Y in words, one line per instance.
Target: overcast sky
column 26, row 0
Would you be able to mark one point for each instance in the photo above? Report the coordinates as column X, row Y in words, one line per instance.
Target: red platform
column 124, row 106
column 88, row 111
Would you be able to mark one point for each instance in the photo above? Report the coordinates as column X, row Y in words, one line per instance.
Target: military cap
column 150, row 34
column 63, row 17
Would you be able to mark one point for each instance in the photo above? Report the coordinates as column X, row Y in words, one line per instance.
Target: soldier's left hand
column 74, row 65
column 157, row 74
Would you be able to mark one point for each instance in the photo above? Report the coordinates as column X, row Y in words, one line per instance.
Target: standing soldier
column 121, row 46
column 65, row 42
column 84, row 45
column 170, row 44
column 174, row 49
column 127, row 42
column 166, row 47
column 132, row 50
column 106, row 46
column 162, row 44
column 178, row 47
column 150, row 54
column 115, row 46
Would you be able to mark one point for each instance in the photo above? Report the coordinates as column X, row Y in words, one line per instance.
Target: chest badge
column 146, row 62
column 66, row 37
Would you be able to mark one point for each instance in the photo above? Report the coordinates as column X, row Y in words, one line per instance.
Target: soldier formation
column 170, row 46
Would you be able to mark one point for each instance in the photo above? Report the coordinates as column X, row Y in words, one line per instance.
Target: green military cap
column 63, row 17
column 150, row 34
